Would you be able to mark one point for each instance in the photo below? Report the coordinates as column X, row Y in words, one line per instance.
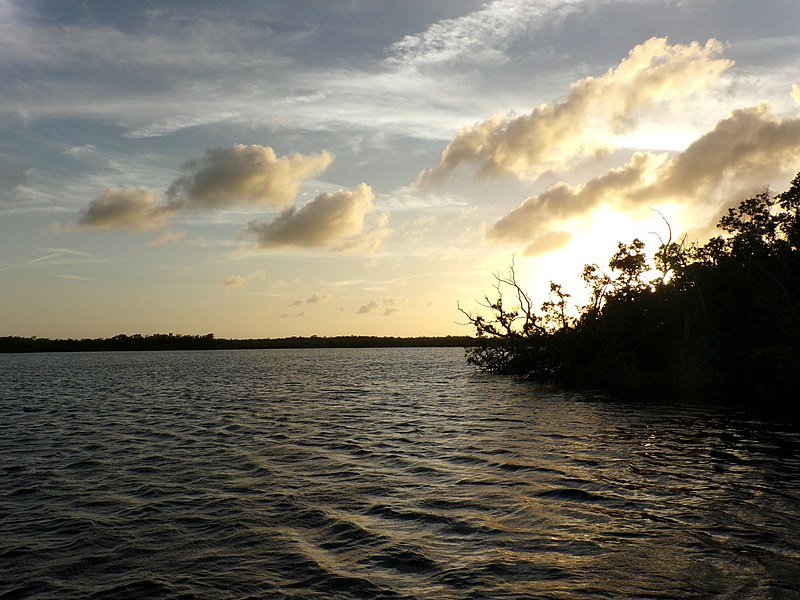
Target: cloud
column 318, row 298
column 82, row 151
column 222, row 178
column 167, row 238
column 750, row 144
column 548, row 242
column 15, row 178
column 553, row 135
column 56, row 256
column 244, row 175
column 481, row 36
column 237, row 281
column 741, row 153
column 332, row 220
column 388, row 306
column 130, row 208
column 368, row 307
column 562, row 201
column 796, row 92
column 313, row 299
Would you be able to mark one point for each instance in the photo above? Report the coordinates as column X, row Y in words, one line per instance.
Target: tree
column 720, row 319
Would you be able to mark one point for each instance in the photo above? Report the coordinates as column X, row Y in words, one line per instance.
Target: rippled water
column 376, row 473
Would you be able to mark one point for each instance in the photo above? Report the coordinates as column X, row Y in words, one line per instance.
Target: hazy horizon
column 268, row 170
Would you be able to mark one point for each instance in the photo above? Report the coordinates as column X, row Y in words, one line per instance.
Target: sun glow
column 656, row 139
column 594, row 240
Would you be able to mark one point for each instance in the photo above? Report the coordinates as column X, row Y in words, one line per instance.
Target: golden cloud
column 562, row 201
column 751, row 145
column 741, row 153
column 332, row 220
column 553, row 135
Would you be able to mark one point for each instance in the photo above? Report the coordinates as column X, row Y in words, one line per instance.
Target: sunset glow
column 267, row 170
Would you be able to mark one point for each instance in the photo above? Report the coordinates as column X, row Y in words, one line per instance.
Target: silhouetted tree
column 720, row 319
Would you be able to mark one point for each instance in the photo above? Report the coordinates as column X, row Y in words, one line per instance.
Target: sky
column 362, row 167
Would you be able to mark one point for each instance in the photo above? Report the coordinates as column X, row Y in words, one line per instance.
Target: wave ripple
column 391, row 473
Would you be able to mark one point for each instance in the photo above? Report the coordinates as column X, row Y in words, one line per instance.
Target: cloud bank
column 740, row 153
column 250, row 175
column 553, row 135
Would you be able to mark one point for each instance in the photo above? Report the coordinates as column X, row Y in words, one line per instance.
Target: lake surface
column 388, row 473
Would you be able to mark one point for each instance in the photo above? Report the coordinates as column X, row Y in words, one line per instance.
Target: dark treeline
column 717, row 320
column 169, row 341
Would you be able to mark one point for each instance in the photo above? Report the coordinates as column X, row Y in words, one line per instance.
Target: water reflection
column 391, row 473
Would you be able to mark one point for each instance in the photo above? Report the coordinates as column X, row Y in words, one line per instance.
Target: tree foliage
column 718, row 320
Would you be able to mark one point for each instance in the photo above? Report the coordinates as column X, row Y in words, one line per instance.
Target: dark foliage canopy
column 714, row 320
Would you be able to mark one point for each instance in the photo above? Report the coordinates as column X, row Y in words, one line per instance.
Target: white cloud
column 481, row 36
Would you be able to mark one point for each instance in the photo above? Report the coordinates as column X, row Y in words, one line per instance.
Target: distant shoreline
column 136, row 343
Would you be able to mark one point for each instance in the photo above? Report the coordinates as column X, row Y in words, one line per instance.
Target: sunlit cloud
column 562, row 201
column 223, row 178
column 548, row 242
column 138, row 209
column 241, row 174
column 751, row 146
column 742, row 153
column 554, row 135
column 333, row 220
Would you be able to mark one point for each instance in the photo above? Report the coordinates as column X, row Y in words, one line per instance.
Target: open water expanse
column 376, row 473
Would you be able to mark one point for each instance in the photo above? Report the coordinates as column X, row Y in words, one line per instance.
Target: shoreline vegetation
column 169, row 341
column 718, row 321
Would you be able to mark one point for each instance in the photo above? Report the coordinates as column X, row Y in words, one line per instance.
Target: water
column 396, row 473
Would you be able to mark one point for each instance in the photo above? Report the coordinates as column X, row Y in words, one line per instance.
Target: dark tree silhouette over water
column 170, row 341
column 716, row 320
